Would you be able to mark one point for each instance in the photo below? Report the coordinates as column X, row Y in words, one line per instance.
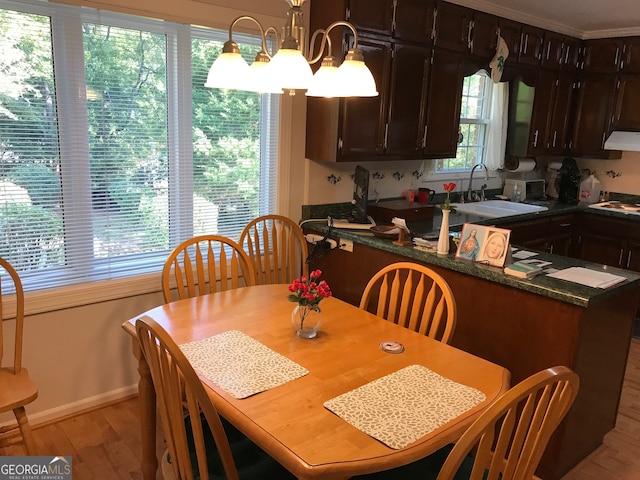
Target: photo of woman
column 494, row 248
column 488, row 245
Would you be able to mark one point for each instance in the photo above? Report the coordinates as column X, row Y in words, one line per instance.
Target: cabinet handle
column 629, row 260
column 535, row 139
column 393, row 15
column 470, row 35
column 386, row 134
column 424, row 137
column 339, row 144
column 620, row 259
column 563, row 225
column 555, row 134
column 526, row 43
column 615, row 62
column 435, row 19
column 551, row 248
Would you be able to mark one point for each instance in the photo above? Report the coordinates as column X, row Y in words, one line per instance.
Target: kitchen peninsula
column 523, row 325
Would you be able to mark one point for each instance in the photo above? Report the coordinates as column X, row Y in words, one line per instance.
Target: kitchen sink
column 497, row 208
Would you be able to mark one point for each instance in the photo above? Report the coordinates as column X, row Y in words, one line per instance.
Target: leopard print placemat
column 404, row 406
column 239, row 364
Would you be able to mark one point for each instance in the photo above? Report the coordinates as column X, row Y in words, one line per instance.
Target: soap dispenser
column 515, row 196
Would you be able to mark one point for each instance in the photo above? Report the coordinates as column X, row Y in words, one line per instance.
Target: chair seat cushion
column 251, row 461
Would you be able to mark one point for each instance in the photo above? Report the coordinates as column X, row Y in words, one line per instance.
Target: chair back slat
column 413, row 296
column 277, row 249
column 205, row 264
column 179, row 390
column 524, row 418
column 14, row 285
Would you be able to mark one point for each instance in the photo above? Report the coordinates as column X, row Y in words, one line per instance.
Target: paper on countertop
column 523, row 254
column 590, row 278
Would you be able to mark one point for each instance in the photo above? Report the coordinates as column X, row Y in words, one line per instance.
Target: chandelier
column 289, row 68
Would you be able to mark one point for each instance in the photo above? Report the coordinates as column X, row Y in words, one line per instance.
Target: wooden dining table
column 290, row 421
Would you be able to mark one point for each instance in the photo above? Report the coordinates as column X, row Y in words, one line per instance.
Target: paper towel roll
column 520, row 164
column 554, row 166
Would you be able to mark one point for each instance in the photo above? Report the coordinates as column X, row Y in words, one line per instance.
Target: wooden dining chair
column 199, row 442
column 277, row 248
column 205, row 264
column 16, row 388
column 413, row 296
column 508, row 439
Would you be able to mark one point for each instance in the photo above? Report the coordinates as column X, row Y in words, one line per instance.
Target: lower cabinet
column 611, row 241
column 524, row 332
column 548, row 234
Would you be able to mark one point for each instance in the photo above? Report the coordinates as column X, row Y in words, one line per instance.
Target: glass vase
column 443, row 239
column 306, row 321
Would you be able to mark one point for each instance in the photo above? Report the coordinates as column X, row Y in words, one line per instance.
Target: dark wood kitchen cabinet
column 610, row 241
column 368, row 15
column 453, row 27
column 592, row 116
column 414, row 20
column 627, row 107
column 484, row 36
column 548, row 234
column 350, row 129
column 630, row 63
column 558, row 136
column 409, row 81
column 552, row 51
column 511, row 31
column 531, row 44
column 443, row 105
column 602, row 55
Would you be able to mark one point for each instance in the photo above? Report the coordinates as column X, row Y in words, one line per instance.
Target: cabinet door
column 453, row 27
column 542, row 110
column 363, row 119
column 571, row 54
column 442, row 118
column 529, row 233
column 627, row 109
column 602, row 55
column 552, row 51
column 510, row 32
column 484, row 35
column 630, row 63
column 561, row 232
column 408, row 87
column 601, row 249
column 558, row 137
column 372, row 15
column 632, row 257
column 531, row 45
column 415, row 20
column 593, row 113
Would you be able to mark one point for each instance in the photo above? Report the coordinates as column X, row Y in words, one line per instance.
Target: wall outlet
column 346, row 245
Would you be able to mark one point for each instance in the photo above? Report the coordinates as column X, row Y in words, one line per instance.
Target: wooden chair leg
column 25, row 429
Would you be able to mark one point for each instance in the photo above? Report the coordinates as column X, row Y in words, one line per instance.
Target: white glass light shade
column 290, row 69
column 261, row 79
column 325, row 83
column 229, row 70
column 356, row 79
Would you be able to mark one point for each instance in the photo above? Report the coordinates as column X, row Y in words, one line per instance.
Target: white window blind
column 474, row 121
column 119, row 153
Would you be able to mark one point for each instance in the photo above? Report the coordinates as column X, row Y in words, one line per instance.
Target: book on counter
column 522, row 270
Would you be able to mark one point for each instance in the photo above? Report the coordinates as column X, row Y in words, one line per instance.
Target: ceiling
column 579, row 18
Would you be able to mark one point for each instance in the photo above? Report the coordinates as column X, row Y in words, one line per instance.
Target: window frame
column 131, row 274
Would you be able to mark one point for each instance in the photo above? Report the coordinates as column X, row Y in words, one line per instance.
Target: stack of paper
column 585, row 276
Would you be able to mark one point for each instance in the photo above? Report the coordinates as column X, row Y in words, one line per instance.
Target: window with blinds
column 113, row 151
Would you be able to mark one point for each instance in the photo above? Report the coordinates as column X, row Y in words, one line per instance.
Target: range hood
column 619, row 140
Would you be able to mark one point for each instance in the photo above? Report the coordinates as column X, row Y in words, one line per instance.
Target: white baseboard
column 70, row 409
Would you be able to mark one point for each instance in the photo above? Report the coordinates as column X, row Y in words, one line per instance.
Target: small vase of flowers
column 443, row 238
column 307, row 293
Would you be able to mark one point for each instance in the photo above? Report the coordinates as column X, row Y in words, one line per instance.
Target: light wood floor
column 105, row 443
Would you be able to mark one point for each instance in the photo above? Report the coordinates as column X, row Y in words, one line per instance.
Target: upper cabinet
column 602, row 55
column 453, row 27
column 566, row 94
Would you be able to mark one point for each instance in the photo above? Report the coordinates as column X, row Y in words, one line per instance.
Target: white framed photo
column 480, row 243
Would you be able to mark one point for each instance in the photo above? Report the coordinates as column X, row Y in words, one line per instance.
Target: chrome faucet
column 471, row 195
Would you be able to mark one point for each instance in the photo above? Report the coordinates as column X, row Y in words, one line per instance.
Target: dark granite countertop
column 564, row 291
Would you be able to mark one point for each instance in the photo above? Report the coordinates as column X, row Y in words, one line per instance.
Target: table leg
column 147, row 399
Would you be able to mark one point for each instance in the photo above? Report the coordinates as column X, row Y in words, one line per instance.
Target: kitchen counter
column 564, row 291
column 523, row 325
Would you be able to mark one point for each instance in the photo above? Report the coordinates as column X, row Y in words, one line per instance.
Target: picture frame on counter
column 484, row 244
